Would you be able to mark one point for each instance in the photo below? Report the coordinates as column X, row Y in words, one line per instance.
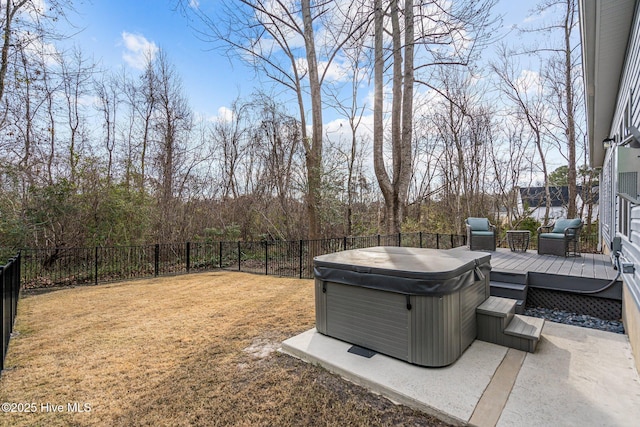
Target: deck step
column 509, row 276
column 525, row 327
column 497, row 306
column 523, row 333
column 497, row 323
column 508, row 290
column 517, row 291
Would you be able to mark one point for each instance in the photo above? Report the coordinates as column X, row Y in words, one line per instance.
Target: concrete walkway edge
column 494, row 398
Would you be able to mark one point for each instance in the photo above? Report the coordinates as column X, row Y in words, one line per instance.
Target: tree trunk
column 314, row 157
column 571, row 126
column 407, row 114
column 395, row 189
column 378, row 126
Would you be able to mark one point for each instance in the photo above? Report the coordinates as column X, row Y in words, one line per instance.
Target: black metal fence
column 56, row 267
column 10, row 288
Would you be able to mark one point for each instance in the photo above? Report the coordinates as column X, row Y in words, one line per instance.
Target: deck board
column 593, row 266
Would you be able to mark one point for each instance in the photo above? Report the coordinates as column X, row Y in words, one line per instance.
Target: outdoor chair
column 481, row 234
column 561, row 238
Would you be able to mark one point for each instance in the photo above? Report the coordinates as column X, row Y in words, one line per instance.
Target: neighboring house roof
column 534, row 197
column 605, row 27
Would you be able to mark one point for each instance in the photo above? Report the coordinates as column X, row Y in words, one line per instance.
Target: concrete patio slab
column 577, row 376
column 450, row 393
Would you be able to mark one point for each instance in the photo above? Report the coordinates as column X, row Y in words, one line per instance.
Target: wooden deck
column 583, row 284
column 589, row 266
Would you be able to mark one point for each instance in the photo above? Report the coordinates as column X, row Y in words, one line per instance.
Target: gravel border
column 568, row 318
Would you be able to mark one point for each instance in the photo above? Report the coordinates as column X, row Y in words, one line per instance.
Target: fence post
column 188, row 256
column 266, row 258
column 378, row 240
column 3, row 316
column 239, row 269
column 344, row 243
column 95, row 281
column 17, row 279
column 420, row 234
column 399, row 239
column 437, row 240
column 220, row 259
column 452, row 241
column 301, row 258
column 13, row 308
column 156, row 259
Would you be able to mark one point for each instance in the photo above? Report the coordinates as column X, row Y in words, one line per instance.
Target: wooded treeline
column 98, row 157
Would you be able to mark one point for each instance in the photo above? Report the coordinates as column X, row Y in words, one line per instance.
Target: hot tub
column 417, row 305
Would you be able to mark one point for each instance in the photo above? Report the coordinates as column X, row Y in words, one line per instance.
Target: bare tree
column 23, row 23
column 395, row 187
column 76, row 73
column 508, row 163
column 171, row 125
column 228, row 134
column 529, row 105
column 274, row 35
column 345, row 102
column 437, row 34
column 108, row 93
column 282, row 155
column 563, row 72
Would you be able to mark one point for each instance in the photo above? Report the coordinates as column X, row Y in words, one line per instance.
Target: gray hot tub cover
column 409, row 271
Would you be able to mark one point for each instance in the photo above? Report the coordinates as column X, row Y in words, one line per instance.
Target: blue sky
column 116, row 32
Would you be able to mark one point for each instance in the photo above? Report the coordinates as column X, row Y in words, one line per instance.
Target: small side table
column 518, row 240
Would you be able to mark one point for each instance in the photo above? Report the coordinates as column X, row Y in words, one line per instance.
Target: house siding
column 623, row 160
column 607, row 201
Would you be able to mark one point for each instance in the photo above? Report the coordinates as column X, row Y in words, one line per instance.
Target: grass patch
column 187, row 350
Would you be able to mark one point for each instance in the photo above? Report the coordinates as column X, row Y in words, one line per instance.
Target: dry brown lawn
column 186, row 350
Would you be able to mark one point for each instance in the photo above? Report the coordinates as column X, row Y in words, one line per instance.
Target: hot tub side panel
column 470, row 298
column 435, row 330
column 374, row 319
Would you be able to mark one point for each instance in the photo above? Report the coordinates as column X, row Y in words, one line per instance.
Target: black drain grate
column 361, row 351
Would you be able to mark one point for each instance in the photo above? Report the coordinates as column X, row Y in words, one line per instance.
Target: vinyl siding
column 627, row 113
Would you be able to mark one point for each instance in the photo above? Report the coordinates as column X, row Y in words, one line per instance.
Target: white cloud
column 138, row 51
column 225, row 115
column 32, row 10
column 302, row 66
column 536, row 16
column 529, row 82
column 45, row 52
column 336, row 71
column 194, row 4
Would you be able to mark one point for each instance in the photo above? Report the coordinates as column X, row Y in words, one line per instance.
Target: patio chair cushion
column 478, row 224
column 562, row 224
column 558, row 236
column 482, row 233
